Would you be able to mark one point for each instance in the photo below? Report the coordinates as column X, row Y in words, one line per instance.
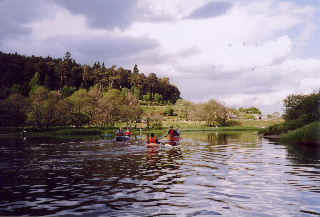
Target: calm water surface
column 228, row 174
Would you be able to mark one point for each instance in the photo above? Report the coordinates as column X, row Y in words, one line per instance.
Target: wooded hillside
column 19, row 73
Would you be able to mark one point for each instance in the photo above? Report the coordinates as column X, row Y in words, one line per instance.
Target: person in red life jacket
column 153, row 139
column 128, row 132
column 119, row 132
column 172, row 132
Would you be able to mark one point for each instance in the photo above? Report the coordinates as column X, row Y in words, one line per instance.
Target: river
column 209, row 174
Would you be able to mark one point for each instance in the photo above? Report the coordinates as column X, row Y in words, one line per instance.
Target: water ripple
column 229, row 174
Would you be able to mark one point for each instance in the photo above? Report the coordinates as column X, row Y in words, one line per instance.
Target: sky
column 239, row 52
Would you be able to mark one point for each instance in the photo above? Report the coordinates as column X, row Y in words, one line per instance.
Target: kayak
column 152, row 145
column 174, row 138
column 162, row 145
column 122, row 138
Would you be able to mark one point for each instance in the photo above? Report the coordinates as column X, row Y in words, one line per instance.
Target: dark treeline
column 18, row 71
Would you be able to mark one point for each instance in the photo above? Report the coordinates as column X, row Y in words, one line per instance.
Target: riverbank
column 94, row 133
column 91, row 133
column 307, row 135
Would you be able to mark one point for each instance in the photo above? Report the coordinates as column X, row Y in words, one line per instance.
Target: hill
column 19, row 73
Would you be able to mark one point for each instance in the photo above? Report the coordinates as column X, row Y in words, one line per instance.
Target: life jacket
column 172, row 132
column 119, row 133
column 128, row 133
column 153, row 140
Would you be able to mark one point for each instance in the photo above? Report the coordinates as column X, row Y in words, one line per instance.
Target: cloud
column 87, row 49
column 251, row 52
column 15, row 14
column 107, row 14
column 212, row 9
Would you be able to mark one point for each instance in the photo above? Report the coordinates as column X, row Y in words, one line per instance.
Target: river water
column 225, row 173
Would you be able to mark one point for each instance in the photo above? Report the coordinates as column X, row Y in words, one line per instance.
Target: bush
column 309, row 134
column 156, row 125
column 294, row 124
column 79, row 119
column 302, row 107
column 231, row 123
column 276, row 129
column 169, row 112
column 285, row 127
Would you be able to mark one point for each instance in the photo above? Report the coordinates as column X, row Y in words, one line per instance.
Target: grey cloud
column 15, row 14
column 213, row 81
column 156, row 57
column 145, row 14
column 111, row 50
column 103, row 13
column 188, row 52
column 212, row 9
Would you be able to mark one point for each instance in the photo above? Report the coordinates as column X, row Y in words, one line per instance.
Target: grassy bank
column 69, row 133
column 283, row 127
column 94, row 133
column 308, row 135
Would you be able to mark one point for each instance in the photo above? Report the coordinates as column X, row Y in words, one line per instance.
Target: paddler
column 153, row 139
column 119, row 132
column 128, row 132
column 172, row 132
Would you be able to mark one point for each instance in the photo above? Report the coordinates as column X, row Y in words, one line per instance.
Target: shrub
column 231, row 123
column 309, row 134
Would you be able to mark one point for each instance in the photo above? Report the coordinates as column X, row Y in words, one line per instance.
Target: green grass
column 309, row 135
column 261, row 123
column 68, row 133
column 284, row 127
column 235, row 128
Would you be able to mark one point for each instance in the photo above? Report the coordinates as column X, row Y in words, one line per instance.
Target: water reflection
column 225, row 173
column 224, row 138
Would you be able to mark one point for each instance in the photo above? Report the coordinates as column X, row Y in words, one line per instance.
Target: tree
column 169, row 111
column 135, row 69
column 130, row 110
column 67, row 91
column 213, row 112
column 47, row 108
column 35, row 81
column 16, row 89
column 79, row 100
column 137, row 92
column 124, row 91
column 250, row 110
column 185, row 109
column 153, row 120
column 108, row 110
column 79, row 119
column 302, row 107
column 37, row 111
column 158, row 98
column 147, row 97
column 13, row 110
column 94, row 94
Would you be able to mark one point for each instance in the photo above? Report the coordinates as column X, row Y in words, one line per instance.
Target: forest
column 45, row 92
column 19, row 74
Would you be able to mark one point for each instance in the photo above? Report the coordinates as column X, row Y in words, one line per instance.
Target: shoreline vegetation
column 301, row 124
column 79, row 133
